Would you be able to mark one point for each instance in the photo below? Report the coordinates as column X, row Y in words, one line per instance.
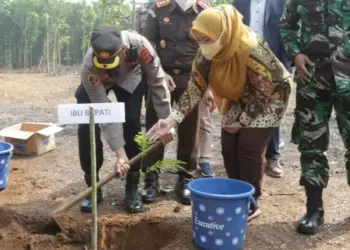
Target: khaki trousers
column 205, row 138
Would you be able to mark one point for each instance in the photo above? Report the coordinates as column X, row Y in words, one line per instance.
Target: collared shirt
column 265, row 95
column 128, row 77
column 257, row 14
column 168, row 28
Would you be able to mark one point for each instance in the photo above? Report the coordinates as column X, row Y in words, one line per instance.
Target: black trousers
column 131, row 127
column 187, row 148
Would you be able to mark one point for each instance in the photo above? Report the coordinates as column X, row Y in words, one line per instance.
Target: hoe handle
column 68, row 203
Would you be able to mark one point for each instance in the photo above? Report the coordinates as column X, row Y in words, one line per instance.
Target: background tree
column 46, row 34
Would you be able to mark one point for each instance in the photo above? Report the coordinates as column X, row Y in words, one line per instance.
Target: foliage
column 46, row 34
column 144, row 142
column 50, row 33
column 167, row 165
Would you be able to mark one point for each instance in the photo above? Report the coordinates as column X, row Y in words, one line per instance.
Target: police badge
column 93, row 80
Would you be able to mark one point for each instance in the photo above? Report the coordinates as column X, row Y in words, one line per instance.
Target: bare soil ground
column 37, row 184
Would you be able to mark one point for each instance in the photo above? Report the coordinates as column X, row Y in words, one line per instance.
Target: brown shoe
column 274, row 168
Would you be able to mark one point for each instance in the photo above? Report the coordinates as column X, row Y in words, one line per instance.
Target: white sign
column 80, row 113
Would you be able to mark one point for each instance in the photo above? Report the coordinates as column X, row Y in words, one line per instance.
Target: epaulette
column 204, row 3
column 162, row 3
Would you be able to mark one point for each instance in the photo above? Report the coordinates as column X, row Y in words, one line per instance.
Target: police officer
column 114, row 63
column 315, row 34
column 167, row 27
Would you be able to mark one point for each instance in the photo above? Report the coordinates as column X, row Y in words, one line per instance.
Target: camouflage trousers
column 314, row 102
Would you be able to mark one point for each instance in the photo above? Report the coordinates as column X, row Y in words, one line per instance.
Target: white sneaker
column 274, row 168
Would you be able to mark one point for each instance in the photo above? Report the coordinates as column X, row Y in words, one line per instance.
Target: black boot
column 86, row 204
column 314, row 217
column 181, row 190
column 151, row 189
column 133, row 204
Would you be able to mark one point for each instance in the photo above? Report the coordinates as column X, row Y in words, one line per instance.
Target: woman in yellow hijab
column 251, row 89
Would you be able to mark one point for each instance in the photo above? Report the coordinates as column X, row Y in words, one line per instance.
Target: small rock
column 283, row 246
column 177, row 209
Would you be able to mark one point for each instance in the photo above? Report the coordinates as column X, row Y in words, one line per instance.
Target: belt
column 178, row 71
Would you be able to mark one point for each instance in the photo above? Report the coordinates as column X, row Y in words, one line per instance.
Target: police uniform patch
column 162, row 3
column 93, row 80
column 146, row 56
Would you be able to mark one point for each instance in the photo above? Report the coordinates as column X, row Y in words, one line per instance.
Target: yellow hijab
column 227, row 75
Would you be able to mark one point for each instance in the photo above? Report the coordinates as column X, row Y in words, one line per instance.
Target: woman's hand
column 233, row 128
column 161, row 128
column 210, row 100
column 168, row 137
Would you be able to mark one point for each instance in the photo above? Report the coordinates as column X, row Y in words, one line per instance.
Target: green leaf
column 143, row 141
column 165, row 165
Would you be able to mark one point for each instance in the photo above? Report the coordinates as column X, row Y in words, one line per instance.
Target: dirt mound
column 122, row 231
column 19, row 231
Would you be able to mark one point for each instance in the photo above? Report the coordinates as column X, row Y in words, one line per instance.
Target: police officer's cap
column 106, row 42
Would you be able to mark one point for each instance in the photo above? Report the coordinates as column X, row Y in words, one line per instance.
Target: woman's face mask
column 212, row 49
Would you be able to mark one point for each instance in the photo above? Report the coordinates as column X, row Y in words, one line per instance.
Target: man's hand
column 170, row 82
column 300, row 62
column 121, row 167
column 122, row 162
column 233, row 128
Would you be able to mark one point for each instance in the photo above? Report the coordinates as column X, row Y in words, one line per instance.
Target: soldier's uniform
column 319, row 29
column 167, row 27
column 114, row 63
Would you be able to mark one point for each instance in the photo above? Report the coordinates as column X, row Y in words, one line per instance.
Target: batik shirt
column 265, row 95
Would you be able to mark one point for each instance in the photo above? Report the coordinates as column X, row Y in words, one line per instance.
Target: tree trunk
column 59, row 49
column 47, row 46
column 20, row 53
column 54, row 50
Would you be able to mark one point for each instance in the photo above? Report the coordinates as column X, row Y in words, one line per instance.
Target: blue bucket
column 6, row 151
column 220, row 208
